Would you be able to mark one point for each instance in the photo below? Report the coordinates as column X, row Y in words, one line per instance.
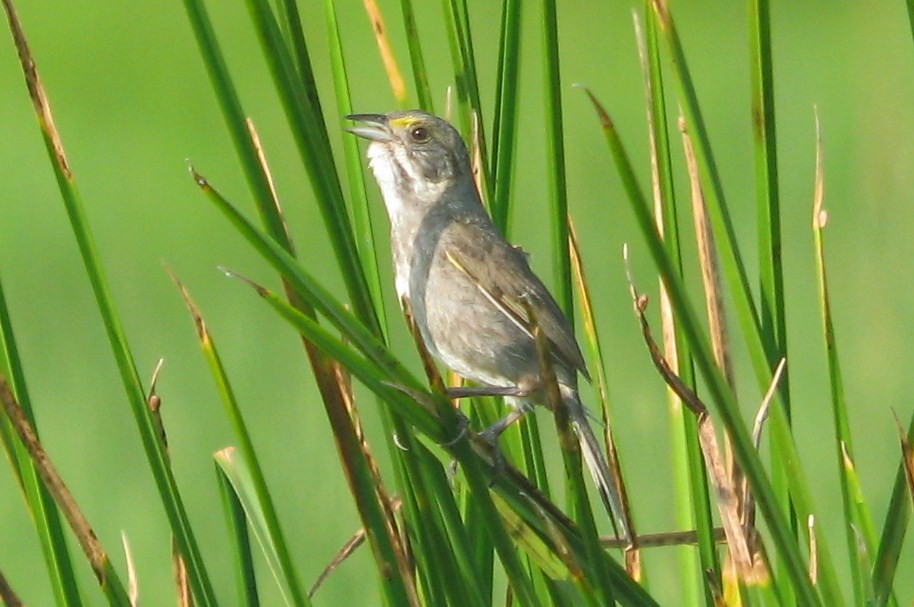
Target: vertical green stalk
column 416, row 60
column 773, row 324
column 885, row 565
column 694, row 502
column 843, row 442
column 458, row 19
column 301, row 104
column 361, row 213
column 720, row 392
column 469, row 106
column 155, row 454
column 287, row 572
column 555, row 161
column 45, row 514
column 240, row 542
column 773, row 321
column 504, row 127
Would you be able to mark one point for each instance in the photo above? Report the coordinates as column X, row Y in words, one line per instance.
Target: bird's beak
column 373, row 127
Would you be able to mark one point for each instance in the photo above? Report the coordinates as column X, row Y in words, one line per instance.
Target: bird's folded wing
column 503, row 276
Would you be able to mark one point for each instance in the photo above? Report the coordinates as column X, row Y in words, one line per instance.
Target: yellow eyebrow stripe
column 404, row 122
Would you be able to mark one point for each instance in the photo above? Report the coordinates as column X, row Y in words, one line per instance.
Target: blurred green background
column 133, row 104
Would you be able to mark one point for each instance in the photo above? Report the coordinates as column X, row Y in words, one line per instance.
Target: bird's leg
column 517, row 394
column 470, row 391
column 492, row 433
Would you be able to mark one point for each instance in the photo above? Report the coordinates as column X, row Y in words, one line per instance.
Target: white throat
column 396, row 176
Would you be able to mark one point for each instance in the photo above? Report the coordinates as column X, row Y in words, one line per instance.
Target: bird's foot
column 499, row 462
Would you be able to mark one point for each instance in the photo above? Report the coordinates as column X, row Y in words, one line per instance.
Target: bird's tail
column 596, row 461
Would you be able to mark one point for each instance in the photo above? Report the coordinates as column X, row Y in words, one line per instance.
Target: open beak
column 373, row 127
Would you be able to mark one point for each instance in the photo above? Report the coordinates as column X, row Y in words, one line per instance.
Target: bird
column 469, row 291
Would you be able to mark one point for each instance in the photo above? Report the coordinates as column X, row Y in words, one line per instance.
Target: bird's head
column 416, row 157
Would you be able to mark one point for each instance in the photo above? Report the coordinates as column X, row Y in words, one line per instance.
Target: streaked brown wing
column 503, row 276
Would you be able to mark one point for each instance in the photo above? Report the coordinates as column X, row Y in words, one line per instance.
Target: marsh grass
column 494, row 533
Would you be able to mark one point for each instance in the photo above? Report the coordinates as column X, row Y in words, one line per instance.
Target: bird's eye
column 419, row 134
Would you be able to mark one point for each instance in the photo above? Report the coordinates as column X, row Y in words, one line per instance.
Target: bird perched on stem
column 471, row 293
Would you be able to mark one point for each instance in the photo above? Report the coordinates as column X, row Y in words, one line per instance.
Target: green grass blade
column 555, row 162
column 773, row 319
column 897, row 517
column 469, row 106
column 300, row 103
column 155, row 454
column 694, row 502
column 771, row 292
column 712, row 189
column 301, row 58
column 504, row 141
column 760, row 352
column 95, row 553
column 861, row 529
column 458, row 540
column 361, row 213
column 483, row 552
column 258, row 502
column 41, row 505
column 855, row 520
column 416, row 59
column 165, row 481
column 240, row 476
column 451, row 562
column 468, row 102
column 239, row 543
column 305, row 285
column 521, row 583
column 720, row 393
column 600, row 584
column 378, row 381
column 234, row 117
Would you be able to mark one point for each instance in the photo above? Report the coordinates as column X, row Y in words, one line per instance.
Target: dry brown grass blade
column 398, row 536
column 347, row 550
column 667, row 321
column 717, row 593
column 428, row 363
column 357, row 539
column 549, row 382
column 632, row 556
column 813, row 550
column 179, row 567
column 86, row 537
column 343, row 387
column 9, row 596
column 751, row 568
column 155, row 404
column 747, row 501
column 688, row 537
column 394, row 75
column 36, row 90
column 717, row 321
column 267, row 175
column 707, row 257
column 179, row 571
column 819, row 214
column 133, row 586
column 476, row 154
